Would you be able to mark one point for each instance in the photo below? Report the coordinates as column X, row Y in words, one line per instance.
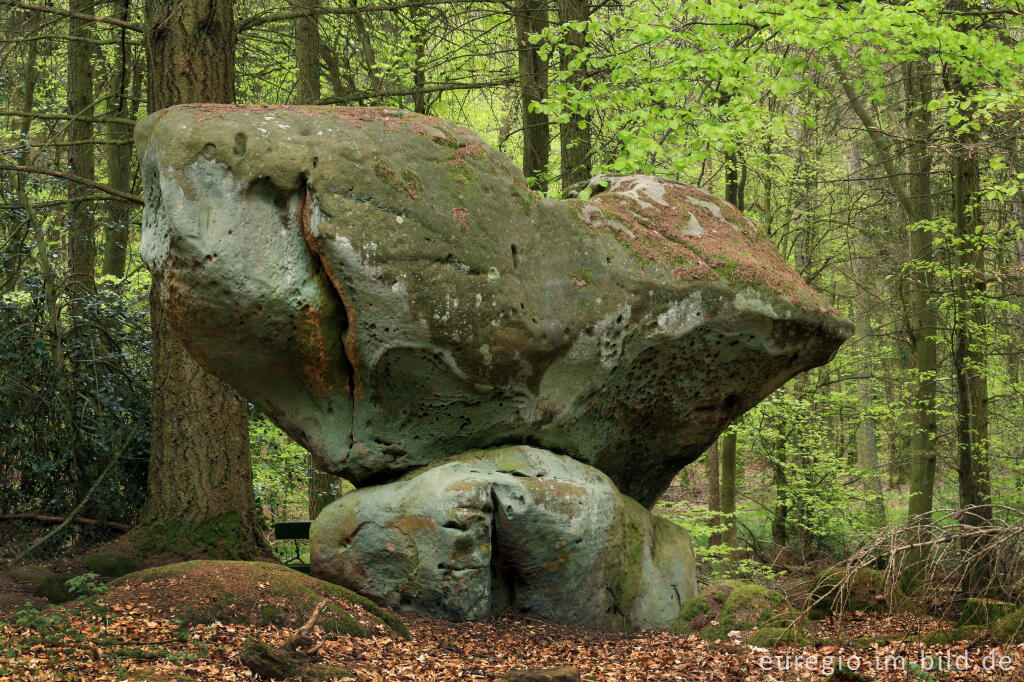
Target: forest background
column 877, row 143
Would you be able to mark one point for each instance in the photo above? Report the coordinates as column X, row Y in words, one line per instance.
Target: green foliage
column 814, row 480
column 280, row 471
column 71, row 392
column 85, row 585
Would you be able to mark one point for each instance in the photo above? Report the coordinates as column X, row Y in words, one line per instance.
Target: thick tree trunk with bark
column 970, row 316
column 531, row 17
column 200, row 475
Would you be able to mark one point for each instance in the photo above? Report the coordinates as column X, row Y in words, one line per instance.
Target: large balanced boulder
column 512, row 527
column 385, row 287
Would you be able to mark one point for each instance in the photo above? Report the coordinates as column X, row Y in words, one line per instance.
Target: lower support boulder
column 512, row 527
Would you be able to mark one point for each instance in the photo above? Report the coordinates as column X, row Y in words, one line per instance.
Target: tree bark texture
column 307, row 53
column 200, row 465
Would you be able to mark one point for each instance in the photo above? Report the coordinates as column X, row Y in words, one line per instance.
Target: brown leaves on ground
column 132, row 633
column 140, row 630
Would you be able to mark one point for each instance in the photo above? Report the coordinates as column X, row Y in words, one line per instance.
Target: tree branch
column 81, row 503
column 46, row 518
column 130, row 25
column 876, row 139
column 369, row 94
column 66, row 117
column 127, row 196
column 253, row 22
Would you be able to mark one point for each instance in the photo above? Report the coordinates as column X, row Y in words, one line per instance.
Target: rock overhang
column 386, row 288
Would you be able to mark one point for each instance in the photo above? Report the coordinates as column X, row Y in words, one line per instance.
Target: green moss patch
column 31, row 574
column 864, row 591
column 111, row 564
column 698, row 612
column 1010, row 628
column 773, row 636
column 244, row 592
column 958, row 634
column 984, row 611
column 749, row 607
column 222, row 537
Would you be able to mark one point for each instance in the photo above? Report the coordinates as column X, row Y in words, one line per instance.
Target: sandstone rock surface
column 512, row 527
column 386, row 288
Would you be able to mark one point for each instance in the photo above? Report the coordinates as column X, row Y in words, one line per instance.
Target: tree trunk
column 574, row 134
column 714, row 493
column 867, row 435
column 307, row 53
column 531, row 18
column 779, row 535
column 81, row 224
column 968, row 358
column 119, row 160
column 918, row 90
column 735, row 183
column 969, row 314
column 200, row 474
column 727, row 451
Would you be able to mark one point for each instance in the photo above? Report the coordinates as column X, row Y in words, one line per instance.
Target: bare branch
column 369, row 94
column 253, row 22
column 130, row 25
column 127, row 196
column 66, row 117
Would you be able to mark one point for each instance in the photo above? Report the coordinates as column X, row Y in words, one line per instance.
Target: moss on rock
column 31, row 574
column 774, row 635
column 983, row 611
column 957, row 634
column 748, row 607
column 696, row 613
column 865, row 591
column 1010, row 628
column 54, row 589
column 244, row 592
column 111, row 564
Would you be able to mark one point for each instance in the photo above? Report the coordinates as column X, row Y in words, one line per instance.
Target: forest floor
column 135, row 632
column 130, row 633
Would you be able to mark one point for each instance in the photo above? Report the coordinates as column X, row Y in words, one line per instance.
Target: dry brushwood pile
column 151, row 629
